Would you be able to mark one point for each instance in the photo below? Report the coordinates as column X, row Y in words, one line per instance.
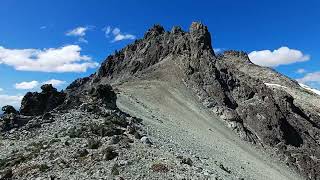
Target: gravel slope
column 177, row 123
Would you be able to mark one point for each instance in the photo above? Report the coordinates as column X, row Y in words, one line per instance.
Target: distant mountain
column 186, row 106
column 310, row 89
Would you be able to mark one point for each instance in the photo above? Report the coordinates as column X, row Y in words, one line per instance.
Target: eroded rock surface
column 38, row 103
column 9, row 110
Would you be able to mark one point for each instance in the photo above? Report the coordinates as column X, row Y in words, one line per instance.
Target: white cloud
column 82, row 40
column 34, row 84
column 54, row 82
column 310, row 78
column 116, row 31
column 1, row 89
column 277, row 57
column 121, row 37
column 107, row 30
column 43, row 27
column 62, row 59
column 301, row 71
column 27, row 85
column 116, row 34
column 79, row 31
column 10, row 100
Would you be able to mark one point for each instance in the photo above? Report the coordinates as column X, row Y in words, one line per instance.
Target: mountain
column 310, row 89
column 174, row 110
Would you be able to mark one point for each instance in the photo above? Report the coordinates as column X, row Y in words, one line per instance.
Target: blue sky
column 43, row 31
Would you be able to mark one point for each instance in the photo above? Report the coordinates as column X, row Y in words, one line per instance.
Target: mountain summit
column 197, row 107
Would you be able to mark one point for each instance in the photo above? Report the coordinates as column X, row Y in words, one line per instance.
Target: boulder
column 11, row 121
column 104, row 94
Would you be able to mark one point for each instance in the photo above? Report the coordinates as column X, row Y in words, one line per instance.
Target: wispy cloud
column 62, row 59
column 1, row 89
column 43, row 27
column 107, row 30
column 82, row 40
column 35, row 84
column 26, row 85
column 311, row 78
column 281, row 56
column 116, row 34
column 301, row 71
column 79, row 32
column 54, row 82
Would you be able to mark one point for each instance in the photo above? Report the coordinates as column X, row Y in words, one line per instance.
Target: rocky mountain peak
column 156, row 45
column 200, row 35
column 176, row 30
column 48, row 88
column 154, row 31
column 197, row 27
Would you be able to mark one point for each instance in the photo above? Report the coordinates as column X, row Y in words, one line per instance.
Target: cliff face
column 156, row 45
column 231, row 87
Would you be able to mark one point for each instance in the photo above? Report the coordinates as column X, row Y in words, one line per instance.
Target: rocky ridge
column 231, row 87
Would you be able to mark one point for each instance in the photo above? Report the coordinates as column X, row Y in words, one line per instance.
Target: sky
column 57, row 41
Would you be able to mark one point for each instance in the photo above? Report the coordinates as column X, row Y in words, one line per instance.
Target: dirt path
column 177, row 122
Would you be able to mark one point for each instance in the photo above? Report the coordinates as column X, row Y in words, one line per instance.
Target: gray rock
column 187, row 161
column 109, row 153
column 146, row 140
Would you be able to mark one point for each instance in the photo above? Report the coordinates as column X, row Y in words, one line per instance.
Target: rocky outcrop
column 38, row 103
column 73, row 128
column 90, row 97
column 9, row 110
column 104, row 94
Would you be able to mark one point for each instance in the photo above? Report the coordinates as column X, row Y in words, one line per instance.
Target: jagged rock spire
column 156, row 45
column 154, row 31
column 200, row 34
